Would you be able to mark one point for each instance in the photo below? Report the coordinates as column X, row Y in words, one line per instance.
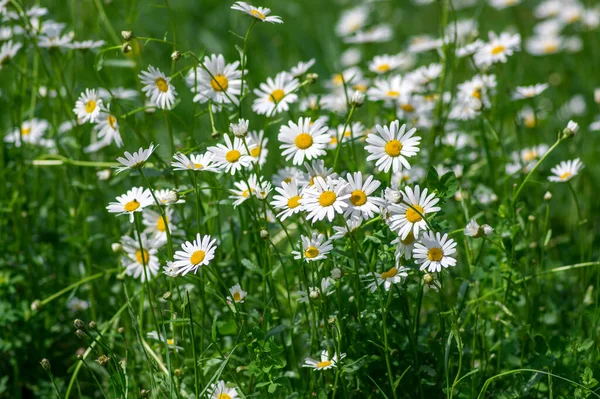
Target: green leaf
column 275, row 330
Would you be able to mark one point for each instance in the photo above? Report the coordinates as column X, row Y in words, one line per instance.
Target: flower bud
column 103, row 360
column 357, row 99
column 127, row 35
column 36, row 305
column 547, row 196
column 45, row 364
column 312, row 78
column 80, row 334
column 176, row 55
column 126, row 48
column 239, row 129
column 167, row 295
column 336, row 273
column 314, row 294
column 531, row 218
column 177, row 372
column 121, row 330
column 116, row 247
column 144, row 393
column 215, row 135
column 571, row 129
column 78, row 324
column 92, row 325
column 264, row 234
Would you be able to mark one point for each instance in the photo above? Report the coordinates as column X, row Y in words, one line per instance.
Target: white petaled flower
column 135, row 160
column 31, row 131
column 390, row 147
column 357, row 99
column 156, row 225
column 498, row 49
column 313, row 248
column 87, row 44
column 220, row 391
column 314, row 293
column 565, row 171
column 167, row 197
column 395, row 275
column 304, row 140
column 276, row 95
column 134, row 200
column 473, row 229
column 314, row 169
column 302, row 68
column 253, row 187
column 87, row 108
column 232, row 156
column 195, row 162
column 107, row 130
column 352, row 20
column 258, row 142
column 502, row 4
column 404, row 247
column 435, row 251
column 350, row 226
column 325, row 363
column 239, row 129
column 361, row 202
column 139, row 262
column 408, row 216
column 287, row 174
column 218, row 82
column 289, row 200
column 8, row 51
column 376, row 34
column 572, row 127
column 385, row 63
column 523, row 92
column 158, row 88
column 259, row 13
column 194, row 255
column 238, row 295
column 169, row 341
column 325, row 198
column 389, row 90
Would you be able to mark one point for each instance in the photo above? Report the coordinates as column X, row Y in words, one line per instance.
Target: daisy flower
column 394, row 275
column 408, row 215
column 31, row 132
column 8, row 52
column 107, row 131
column 326, row 362
column 498, row 49
column 156, row 225
column 220, row 391
column 522, row 92
column 502, row 4
column 303, row 140
column 195, row 162
column 404, row 247
column 314, row 169
column 218, row 82
column 87, row 44
column 167, row 197
column 239, row 129
column 289, row 200
column 254, row 187
column 376, row 34
column 326, row 289
column 169, row 341
column 135, row 160
column 313, row 248
column 435, row 251
column 325, row 198
column 231, row 156
column 473, row 229
column 302, row 68
column 134, row 200
column 352, row 20
column 137, row 259
column 259, row 13
column 423, row 43
column 286, row 174
column 194, row 255
column 274, row 96
column 544, row 44
column 361, row 202
column 158, row 88
column 566, row 170
column 88, row 106
column 237, row 294
column 390, row 147
column 350, row 226
column 391, row 89
column 259, row 151
column 384, row 63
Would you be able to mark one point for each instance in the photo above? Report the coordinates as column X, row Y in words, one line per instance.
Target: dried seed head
column 103, row 360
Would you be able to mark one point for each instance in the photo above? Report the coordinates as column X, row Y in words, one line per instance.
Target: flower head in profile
column 158, row 87
column 313, row 248
column 239, row 129
column 135, row 160
column 8, row 51
column 325, row 363
column 523, row 92
column 565, row 171
column 259, row 13
column 156, row 224
column 252, row 187
column 390, row 146
column 107, row 130
column 88, row 106
column 315, row 293
column 435, row 251
column 134, row 200
column 305, row 140
column 194, row 255
column 301, row 68
column 220, row 391
column 194, row 162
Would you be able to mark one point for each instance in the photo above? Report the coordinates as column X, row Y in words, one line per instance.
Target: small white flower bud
column 571, row 129
column 103, row 174
column 547, row 196
column 176, row 55
column 392, row 196
column 357, row 99
column 336, row 273
column 126, row 48
column 531, row 218
column 116, row 247
column 264, row 234
column 472, row 229
column 127, row 35
column 239, row 129
column 487, row 230
column 314, row 294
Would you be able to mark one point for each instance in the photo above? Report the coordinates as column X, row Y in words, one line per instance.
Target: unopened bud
column 428, row 278
column 177, row 372
column 547, row 196
column 45, row 364
column 78, row 324
column 531, row 218
column 116, row 247
column 312, row 78
column 127, row 35
column 92, row 325
column 80, row 334
column 167, row 295
column 176, row 55
column 357, row 99
column 571, row 129
column 314, row 294
column 36, row 305
column 144, row 393
column 215, row 135
column 336, row 273
column 121, row 330
column 264, row 234
column 126, row 48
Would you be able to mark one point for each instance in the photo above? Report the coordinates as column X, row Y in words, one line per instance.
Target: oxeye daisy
column 314, row 169
column 498, row 49
column 434, row 251
column 220, row 391
column 326, row 362
column 352, row 20
column 287, row 174
column 134, row 200
column 522, row 92
column 302, row 68
column 350, row 226
column 473, row 229
column 314, row 293
column 156, row 225
column 167, row 197
column 389, row 90
column 303, row 140
column 289, row 200
column 325, row 198
column 194, row 255
column 313, row 248
column 246, row 189
column 195, row 162
column 139, row 262
column 390, row 147
column 31, row 132
column 87, row 108
column 385, row 63
column 274, row 96
column 502, row 4
column 408, row 215
column 219, row 82
column 237, row 294
column 565, row 171
column 8, row 52
column 107, row 130
column 231, row 156
column 404, row 247
column 259, row 143
column 361, row 202
column 394, row 275
column 158, row 87
column 135, row 160
column 259, row 13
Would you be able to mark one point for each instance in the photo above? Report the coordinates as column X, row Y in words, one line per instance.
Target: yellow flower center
column 294, row 202
column 197, row 257
column 259, row 15
column 338, row 79
column 361, row 87
column 303, row 141
column 333, row 140
column 435, row 254
column 162, row 85
column 407, row 108
column 311, row 252
column 476, row 94
column 358, row 197
column 288, row 179
column 410, row 238
column 90, row 106
column 347, row 133
column 383, row 67
column 255, row 152
column 112, row 122
column 223, row 396
column 276, row 95
column 389, row 274
column 131, row 206
column 198, row 166
column 412, row 215
column 529, row 156
column 327, row 198
column 237, row 297
column 550, row 48
column 498, row 49
column 565, row 175
column 247, row 192
column 25, row 131
column 392, row 93
column 161, row 224
column 233, row 156
column 530, row 121
column 219, row 83
column 143, row 259
column 393, row 148
column 324, row 364
column 170, row 341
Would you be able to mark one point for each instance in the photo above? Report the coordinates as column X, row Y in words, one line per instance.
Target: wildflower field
column 318, row 199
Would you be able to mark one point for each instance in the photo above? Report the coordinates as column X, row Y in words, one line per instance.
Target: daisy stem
column 341, row 135
column 198, row 201
column 193, row 340
column 212, row 118
column 385, row 342
column 243, row 64
column 574, row 193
